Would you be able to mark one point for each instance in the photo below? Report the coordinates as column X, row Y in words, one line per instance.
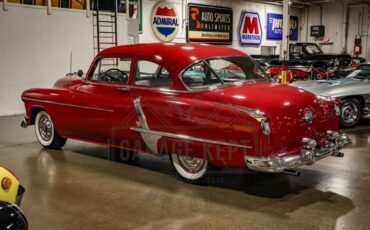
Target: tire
column 319, row 75
column 46, row 133
column 350, row 113
column 190, row 169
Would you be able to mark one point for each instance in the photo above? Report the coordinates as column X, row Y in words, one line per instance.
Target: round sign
column 165, row 21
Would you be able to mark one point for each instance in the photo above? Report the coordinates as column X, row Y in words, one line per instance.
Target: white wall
column 333, row 19
column 35, row 49
column 237, row 7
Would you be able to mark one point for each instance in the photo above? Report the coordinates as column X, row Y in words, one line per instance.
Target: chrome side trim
column 258, row 115
column 151, row 141
column 65, row 104
column 140, row 114
column 187, row 138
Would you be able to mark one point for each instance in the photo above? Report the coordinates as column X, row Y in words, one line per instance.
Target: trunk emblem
column 308, row 117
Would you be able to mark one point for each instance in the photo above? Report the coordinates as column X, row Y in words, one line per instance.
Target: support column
column 284, row 49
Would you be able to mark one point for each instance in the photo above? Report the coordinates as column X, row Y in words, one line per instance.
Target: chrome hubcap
column 45, row 128
column 349, row 113
column 191, row 164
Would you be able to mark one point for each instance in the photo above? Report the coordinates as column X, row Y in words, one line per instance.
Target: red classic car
column 182, row 100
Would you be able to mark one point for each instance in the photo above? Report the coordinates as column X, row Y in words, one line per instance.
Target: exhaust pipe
column 292, row 172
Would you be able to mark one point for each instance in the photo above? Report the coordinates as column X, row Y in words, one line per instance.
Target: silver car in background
column 353, row 90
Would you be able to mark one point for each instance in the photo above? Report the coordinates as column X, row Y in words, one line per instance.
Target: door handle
column 124, row 89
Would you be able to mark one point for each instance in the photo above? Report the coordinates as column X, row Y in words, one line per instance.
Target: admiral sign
column 250, row 29
column 164, row 21
column 209, row 24
column 275, row 27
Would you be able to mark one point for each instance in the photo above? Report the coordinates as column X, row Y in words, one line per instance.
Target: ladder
column 105, row 27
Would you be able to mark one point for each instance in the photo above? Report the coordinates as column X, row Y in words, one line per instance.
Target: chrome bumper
column 309, row 153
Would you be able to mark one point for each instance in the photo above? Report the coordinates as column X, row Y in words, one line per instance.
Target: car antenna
column 70, row 63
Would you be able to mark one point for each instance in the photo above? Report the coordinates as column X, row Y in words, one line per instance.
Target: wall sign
column 275, row 27
column 317, row 31
column 209, row 24
column 250, row 29
column 165, row 21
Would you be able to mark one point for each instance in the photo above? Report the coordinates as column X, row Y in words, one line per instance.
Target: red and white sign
column 250, row 29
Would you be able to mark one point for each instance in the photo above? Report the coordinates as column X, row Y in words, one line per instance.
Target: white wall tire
column 190, row 169
column 46, row 133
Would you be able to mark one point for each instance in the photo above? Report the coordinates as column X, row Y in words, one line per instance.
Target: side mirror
column 80, row 73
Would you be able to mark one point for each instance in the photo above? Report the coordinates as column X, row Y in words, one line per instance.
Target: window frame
column 96, row 65
column 161, row 67
column 215, row 86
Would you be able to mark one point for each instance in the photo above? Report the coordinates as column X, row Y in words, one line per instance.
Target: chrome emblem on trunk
column 308, row 117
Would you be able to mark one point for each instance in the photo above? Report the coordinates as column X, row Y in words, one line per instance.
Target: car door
column 106, row 108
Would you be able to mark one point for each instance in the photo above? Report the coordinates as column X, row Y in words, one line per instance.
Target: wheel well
column 34, row 112
column 361, row 99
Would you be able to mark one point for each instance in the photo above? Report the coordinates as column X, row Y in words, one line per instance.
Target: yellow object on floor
column 8, row 186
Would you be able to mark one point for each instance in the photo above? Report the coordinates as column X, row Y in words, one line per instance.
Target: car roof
column 175, row 56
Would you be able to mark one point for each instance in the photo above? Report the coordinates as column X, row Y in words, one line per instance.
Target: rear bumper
column 310, row 152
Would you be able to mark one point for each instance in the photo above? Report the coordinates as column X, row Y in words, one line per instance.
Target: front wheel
column 46, row 133
column 190, row 169
column 351, row 112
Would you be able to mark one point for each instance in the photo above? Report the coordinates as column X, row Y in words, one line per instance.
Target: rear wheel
column 319, row 74
column 190, row 169
column 351, row 112
column 46, row 133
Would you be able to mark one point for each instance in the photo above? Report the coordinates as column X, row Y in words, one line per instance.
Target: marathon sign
column 250, row 29
column 209, row 24
column 275, row 27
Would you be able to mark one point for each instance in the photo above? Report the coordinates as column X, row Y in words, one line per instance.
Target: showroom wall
column 333, row 19
column 35, row 49
column 237, row 7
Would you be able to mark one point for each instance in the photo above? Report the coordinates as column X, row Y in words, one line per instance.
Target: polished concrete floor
column 77, row 188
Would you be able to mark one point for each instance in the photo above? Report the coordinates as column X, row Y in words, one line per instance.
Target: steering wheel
column 109, row 75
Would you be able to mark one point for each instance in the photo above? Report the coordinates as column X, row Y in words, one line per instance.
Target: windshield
column 362, row 73
column 221, row 71
column 313, row 49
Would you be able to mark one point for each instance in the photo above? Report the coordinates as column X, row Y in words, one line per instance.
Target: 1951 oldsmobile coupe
column 203, row 105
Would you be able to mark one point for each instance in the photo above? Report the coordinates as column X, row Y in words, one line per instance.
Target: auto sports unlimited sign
column 275, row 27
column 210, row 24
column 165, row 21
column 250, row 29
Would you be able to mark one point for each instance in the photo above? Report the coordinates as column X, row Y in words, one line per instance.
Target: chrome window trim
column 65, row 104
column 187, row 138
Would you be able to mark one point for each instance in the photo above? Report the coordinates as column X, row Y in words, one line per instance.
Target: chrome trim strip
column 258, row 115
column 69, row 105
column 187, row 138
column 140, row 114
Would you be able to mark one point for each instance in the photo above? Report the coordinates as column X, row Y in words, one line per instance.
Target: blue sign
column 275, row 27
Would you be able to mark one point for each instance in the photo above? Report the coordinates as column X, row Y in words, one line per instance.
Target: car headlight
column 265, row 124
column 337, row 109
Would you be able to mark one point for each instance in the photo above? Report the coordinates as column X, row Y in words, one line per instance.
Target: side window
column 199, row 75
column 116, row 70
column 295, row 49
column 152, row 74
column 227, row 70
